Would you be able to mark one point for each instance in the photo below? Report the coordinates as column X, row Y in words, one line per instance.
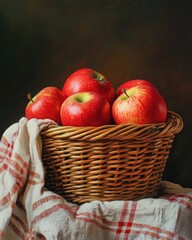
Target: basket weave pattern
column 112, row 162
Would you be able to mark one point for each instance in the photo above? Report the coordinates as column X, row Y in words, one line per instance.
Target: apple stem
column 29, row 97
column 124, row 90
column 98, row 76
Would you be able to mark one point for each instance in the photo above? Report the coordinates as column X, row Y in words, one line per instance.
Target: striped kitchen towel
column 30, row 211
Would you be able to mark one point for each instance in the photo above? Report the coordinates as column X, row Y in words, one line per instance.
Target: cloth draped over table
column 30, row 211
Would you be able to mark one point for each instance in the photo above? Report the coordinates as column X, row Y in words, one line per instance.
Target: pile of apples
column 89, row 99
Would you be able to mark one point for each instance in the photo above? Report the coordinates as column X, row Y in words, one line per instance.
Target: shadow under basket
column 111, row 162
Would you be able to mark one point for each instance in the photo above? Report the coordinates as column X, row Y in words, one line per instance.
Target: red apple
column 132, row 83
column 140, row 104
column 85, row 109
column 86, row 80
column 45, row 105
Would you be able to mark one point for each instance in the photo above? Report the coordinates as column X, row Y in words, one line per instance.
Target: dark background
column 42, row 42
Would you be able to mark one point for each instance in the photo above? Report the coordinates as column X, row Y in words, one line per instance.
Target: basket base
column 81, row 196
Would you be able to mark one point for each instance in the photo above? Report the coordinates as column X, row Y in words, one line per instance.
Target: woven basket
column 111, row 162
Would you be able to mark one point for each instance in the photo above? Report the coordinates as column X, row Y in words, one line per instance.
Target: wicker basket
column 111, row 162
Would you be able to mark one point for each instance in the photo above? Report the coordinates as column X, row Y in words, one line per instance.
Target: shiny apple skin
column 144, row 105
column 53, row 92
column 46, row 105
column 85, row 109
column 86, row 80
column 132, row 83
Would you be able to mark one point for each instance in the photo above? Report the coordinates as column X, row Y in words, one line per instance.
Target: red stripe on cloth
column 20, row 221
column 45, row 200
column 122, row 218
column 16, row 133
column 182, row 199
column 35, row 178
column 33, row 182
column 90, row 215
column 7, row 149
column 4, row 141
column 9, row 145
column 127, row 224
column 13, row 163
column 170, row 195
column 48, row 212
column 13, row 137
column 183, row 196
column 35, row 175
column 5, row 153
column 149, row 233
column 5, row 199
column 93, row 215
column 20, row 180
column 21, row 160
column 20, row 177
column 16, row 166
column 153, row 228
column 16, row 230
column 15, row 188
column 185, row 203
column 100, row 225
column 131, row 218
column 4, row 167
column 103, row 223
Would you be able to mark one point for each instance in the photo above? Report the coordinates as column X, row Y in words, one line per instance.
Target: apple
column 140, row 104
column 86, row 80
column 85, row 109
column 46, row 104
column 132, row 83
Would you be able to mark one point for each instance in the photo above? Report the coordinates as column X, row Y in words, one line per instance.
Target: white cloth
column 30, row 211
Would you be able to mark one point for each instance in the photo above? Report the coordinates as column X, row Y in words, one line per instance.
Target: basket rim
column 173, row 125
